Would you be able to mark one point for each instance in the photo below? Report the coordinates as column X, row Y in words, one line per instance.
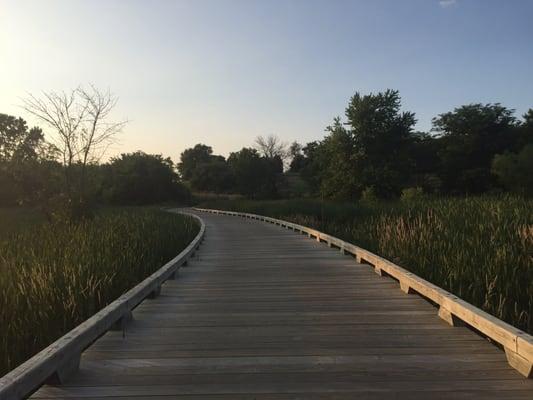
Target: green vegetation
column 253, row 173
column 374, row 151
column 371, row 152
column 478, row 248
column 34, row 173
column 17, row 219
column 140, row 179
column 55, row 275
column 514, row 170
column 384, row 176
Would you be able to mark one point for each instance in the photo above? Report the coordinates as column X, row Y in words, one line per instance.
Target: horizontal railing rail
column 60, row 359
column 518, row 345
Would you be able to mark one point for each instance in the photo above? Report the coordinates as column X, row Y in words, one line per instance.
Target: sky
column 223, row 72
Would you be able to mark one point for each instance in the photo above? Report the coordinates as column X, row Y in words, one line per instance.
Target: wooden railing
column 517, row 344
column 59, row 360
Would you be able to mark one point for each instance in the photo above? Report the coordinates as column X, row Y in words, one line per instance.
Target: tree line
column 32, row 174
column 375, row 151
column 63, row 174
column 252, row 172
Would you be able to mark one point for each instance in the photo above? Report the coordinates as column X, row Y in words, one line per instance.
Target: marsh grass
column 17, row 219
column 480, row 249
column 54, row 276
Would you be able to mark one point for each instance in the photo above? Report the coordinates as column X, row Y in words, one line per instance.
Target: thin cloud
column 447, row 3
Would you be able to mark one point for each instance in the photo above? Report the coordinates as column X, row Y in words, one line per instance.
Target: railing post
column 120, row 325
column 65, row 370
column 404, row 286
column 155, row 293
column 447, row 316
column 174, row 275
column 519, row 363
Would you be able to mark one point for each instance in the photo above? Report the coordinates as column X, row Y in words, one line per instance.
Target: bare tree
column 271, row 146
column 81, row 128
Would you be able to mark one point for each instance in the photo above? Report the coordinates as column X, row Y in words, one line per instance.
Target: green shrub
column 515, row 170
column 369, row 195
column 412, row 194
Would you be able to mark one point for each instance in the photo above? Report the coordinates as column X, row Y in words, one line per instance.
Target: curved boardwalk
column 265, row 313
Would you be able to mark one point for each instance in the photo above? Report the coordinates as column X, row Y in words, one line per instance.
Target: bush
column 140, row 179
column 369, row 195
column 412, row 194
column 515, row 170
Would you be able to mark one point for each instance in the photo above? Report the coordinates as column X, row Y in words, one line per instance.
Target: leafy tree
column 247, row 169
column 371, row 150
column 528, row 118
column 215, row 175
column 515, row 170
column 255, row 176
column 524, row 132
column 338, row 171
column 423, row 151
column 28, row 173
column 17, row 143
column 296, row 156
column 295, row 149
column 382, row 136
column 140, row 178
column 272, row 176
column 474, row 119
column 469, row 137
column 311, row 169
column 191, row 158
column 205, row 171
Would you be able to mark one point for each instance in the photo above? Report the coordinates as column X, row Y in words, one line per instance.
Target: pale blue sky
column 223, row 72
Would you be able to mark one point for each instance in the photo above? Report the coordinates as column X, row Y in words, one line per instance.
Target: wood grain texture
column 262, row 312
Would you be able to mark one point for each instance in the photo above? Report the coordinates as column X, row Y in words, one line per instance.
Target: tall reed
column 55, row 276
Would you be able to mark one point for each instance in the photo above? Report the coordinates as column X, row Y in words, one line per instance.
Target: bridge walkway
column 266, row 313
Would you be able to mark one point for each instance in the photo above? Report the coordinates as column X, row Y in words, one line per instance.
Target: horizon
column 223, row 73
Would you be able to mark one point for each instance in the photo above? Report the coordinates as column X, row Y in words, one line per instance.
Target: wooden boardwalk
column 265, row 313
